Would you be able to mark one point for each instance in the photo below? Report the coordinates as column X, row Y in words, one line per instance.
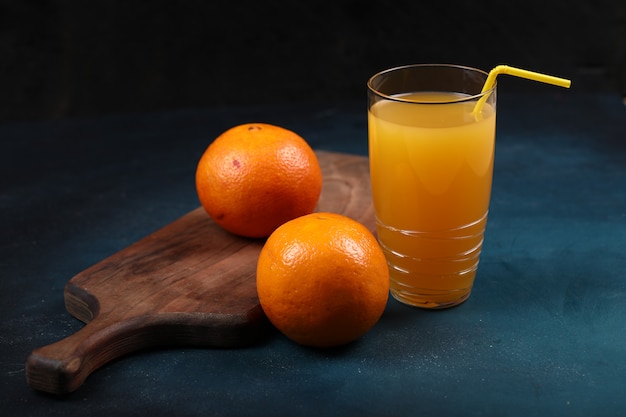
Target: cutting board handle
column 63, row 366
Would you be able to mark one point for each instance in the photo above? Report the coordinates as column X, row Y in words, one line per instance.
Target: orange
column 322, row 280
column 256, row 176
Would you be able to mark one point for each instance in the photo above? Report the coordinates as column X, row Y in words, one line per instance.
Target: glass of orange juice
column 431, row 165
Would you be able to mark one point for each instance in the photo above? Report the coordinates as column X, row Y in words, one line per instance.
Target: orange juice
column 431, row 166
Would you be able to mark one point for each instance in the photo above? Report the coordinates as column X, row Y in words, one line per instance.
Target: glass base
column 431, row 300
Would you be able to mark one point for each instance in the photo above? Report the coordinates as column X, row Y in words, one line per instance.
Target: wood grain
column 188, row 284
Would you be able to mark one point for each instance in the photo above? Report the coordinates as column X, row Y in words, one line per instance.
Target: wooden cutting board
column 188, row 284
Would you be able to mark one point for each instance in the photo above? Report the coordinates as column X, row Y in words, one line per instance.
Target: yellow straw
column 530, row 75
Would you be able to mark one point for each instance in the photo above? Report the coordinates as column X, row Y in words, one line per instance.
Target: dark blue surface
column 544, row 332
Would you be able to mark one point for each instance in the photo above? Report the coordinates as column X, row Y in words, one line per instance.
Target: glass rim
column 414, row 101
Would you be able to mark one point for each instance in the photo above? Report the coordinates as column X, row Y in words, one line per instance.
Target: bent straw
column 530, row 75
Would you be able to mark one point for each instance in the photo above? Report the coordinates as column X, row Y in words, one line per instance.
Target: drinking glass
column 431, row 153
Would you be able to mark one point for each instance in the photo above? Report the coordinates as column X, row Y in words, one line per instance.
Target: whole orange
column 256, row 176
column 322, row 280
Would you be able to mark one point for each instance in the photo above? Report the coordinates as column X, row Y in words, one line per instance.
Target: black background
column 87, row 58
